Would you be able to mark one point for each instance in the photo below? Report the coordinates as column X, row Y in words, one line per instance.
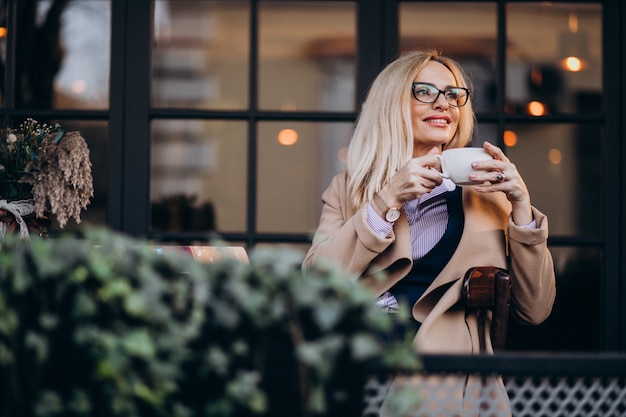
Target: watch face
column 392, row 214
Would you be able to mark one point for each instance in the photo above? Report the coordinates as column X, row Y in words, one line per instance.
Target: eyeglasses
column 426, row 93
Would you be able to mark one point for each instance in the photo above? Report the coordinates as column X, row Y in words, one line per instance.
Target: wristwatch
column 392, row 214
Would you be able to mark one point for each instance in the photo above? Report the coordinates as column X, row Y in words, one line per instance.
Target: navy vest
column 424, row 270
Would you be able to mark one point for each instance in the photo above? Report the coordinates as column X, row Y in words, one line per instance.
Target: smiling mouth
column 436, row 121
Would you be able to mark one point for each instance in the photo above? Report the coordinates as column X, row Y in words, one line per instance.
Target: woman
column 392, row 214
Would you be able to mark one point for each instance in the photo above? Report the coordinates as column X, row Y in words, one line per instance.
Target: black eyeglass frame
column 439, row 92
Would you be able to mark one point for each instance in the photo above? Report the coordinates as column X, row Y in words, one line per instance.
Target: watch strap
column 385, row 210
column 380, row 205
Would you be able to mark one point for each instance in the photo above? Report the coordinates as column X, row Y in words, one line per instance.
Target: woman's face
column 434, row 124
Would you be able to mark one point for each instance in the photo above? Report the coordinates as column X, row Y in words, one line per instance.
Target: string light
column 536, row 108
column 287, row 137
column 510, row 138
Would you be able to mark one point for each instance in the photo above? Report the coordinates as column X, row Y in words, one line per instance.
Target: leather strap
column 489, row 287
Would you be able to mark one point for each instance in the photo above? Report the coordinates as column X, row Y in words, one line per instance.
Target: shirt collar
column 446, row 186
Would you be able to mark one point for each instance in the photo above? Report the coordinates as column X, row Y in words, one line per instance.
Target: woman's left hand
column 500, row 174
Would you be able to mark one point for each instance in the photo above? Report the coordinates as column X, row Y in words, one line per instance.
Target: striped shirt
column 428, row 219
column 427, row 216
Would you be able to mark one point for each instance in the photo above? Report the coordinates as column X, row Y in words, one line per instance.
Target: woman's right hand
column 417, row 177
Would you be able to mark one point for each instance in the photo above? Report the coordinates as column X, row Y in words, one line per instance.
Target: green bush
column 103, row 325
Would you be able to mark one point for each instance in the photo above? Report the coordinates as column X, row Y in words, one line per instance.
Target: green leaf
column 320, row 354
column 38, row 343
column 105, row 369
column 80, row 404
column 84, row 305
column 60, row 132
column 221, row 407
column 179, row 410
column 80, row 273
column 240, row 347
column 402, row 400
column 149, row 395
column 135, row 304
column 245, row 389
column 48, row 404
column 8, row 317
column 218, row 360
column 328, row 313
column 118, row 287
column 139, row 343
column 317, row 399
column 6, row 355
column 48, row 321
column 364, row 346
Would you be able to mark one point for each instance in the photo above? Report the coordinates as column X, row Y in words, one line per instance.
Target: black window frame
column 130, row 115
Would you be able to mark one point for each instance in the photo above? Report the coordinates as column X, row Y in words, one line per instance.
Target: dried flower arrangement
column 43, row 170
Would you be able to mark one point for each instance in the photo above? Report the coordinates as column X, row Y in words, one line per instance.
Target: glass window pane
column 574, row 324
column 307, row 53
column 485, row 132
column 557, row 68
column 464, row 31
column 293, row 175
column 70, row 68
column 300, row 248
column 562, row 167
column 198, row 175
column 200, row 54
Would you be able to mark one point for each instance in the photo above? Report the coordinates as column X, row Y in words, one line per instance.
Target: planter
column 36, row 225
column 17, row 210
column 18, row 217
column 47, row 166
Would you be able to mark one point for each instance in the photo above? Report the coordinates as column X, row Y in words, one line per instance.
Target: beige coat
column 344, row 237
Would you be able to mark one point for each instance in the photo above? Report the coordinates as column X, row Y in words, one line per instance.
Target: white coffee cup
column 456, row 164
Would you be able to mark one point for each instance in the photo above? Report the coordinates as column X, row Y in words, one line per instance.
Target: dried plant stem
column 62, row 180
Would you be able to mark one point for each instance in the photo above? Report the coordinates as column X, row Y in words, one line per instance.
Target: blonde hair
column 382, row 141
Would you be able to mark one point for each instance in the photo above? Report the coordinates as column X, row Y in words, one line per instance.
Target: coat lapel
column 483, row 232
column 396, row 261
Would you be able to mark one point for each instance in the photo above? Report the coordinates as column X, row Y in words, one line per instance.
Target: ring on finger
column 500, row 176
